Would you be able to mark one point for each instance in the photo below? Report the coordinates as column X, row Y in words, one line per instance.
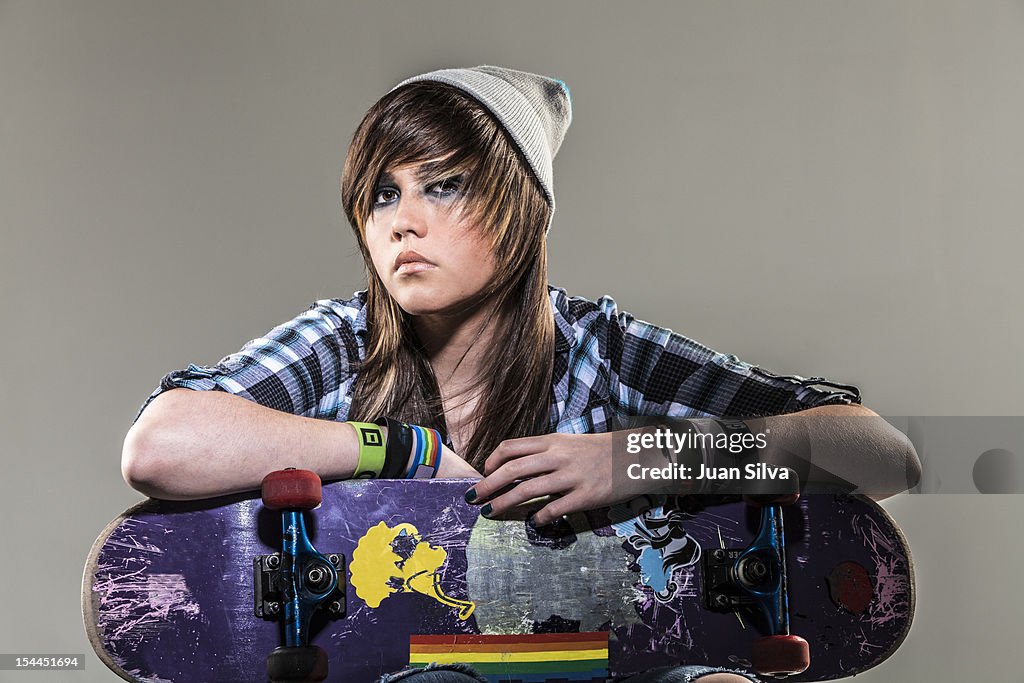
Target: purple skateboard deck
column 168, row 588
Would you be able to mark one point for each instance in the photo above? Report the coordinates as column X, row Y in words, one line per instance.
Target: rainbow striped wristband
column 426, row 453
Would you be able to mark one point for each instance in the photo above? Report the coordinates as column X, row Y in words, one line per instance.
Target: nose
column 410, row 218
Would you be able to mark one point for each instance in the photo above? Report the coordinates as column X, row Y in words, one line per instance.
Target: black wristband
column 748, row 452
column 398, row 450
column 692, row 456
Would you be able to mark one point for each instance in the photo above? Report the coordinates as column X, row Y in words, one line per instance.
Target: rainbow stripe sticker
column 529, row 658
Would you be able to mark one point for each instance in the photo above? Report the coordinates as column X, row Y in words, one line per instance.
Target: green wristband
column 372, row 450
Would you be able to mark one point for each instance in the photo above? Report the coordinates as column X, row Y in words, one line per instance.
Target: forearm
column 196, row 444
column 836, row 444
column 831, row 448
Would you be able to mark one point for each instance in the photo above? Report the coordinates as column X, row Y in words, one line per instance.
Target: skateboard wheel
column 307, row 663
column 291, row 489
column 780, row 655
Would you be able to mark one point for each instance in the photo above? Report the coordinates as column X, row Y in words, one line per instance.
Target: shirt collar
column 359, row 323
column 564, row 331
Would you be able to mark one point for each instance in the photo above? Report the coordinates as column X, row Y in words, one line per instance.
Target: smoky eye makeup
column 447, row 187
column 384, row 195
column 385, row 186
column 438, row 186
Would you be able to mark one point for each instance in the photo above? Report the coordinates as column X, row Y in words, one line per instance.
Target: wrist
column 409, row 452
column 372, row 457
column 727, row 442
column 660, row 452
column 425, row 457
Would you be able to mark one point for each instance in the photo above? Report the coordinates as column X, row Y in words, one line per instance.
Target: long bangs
column 446, row 133
column 417, row 124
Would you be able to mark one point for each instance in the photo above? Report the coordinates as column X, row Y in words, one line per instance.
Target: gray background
column 818, row 187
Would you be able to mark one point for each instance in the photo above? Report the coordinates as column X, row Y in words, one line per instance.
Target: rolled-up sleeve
column 305, row 366
column 654, row 371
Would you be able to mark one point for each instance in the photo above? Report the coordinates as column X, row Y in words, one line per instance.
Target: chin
column 429, row 302
column 418, row 310
column 422, row 303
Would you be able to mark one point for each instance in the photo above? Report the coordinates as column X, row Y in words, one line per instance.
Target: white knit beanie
column 535, row 110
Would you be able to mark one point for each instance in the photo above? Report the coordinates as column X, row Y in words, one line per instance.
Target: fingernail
column 470, row 495
column 486, row 510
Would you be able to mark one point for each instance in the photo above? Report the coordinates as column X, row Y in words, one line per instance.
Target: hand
column 575, row 468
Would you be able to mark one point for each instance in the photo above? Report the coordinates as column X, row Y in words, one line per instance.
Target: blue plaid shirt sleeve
column 655, row 371
column 305, row 366
column 618, row 366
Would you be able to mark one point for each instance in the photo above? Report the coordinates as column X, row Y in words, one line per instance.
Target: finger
column 558, row 508
column 507, row 475
column 510, row 449
column 525, row 491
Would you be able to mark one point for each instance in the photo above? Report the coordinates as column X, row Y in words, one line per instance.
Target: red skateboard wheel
column 780, row 655
column 291, row 489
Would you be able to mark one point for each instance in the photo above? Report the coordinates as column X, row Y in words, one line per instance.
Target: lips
column 413, row 262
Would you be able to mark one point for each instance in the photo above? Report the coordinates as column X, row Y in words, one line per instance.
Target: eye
column 449, row 187
column 384, row 196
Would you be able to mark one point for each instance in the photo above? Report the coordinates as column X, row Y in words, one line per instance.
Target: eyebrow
column 424, row 172
column 433, row 169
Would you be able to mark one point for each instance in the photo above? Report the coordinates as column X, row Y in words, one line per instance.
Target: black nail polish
column 486, row 510
column 470, row 495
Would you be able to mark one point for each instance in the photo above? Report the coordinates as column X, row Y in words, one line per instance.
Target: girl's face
column 429, row 255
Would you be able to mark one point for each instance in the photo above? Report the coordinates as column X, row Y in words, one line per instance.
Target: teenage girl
column 464, row 357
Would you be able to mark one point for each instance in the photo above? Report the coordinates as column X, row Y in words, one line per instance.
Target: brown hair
column 432, row 122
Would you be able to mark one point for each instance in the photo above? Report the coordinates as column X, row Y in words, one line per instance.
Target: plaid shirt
column 608, row 366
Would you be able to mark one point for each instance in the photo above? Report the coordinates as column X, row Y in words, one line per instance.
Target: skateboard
column 386, row 574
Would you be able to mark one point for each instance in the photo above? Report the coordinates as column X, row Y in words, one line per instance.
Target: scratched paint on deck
column 173, row 585
column 569, row 581
column 137, row 604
